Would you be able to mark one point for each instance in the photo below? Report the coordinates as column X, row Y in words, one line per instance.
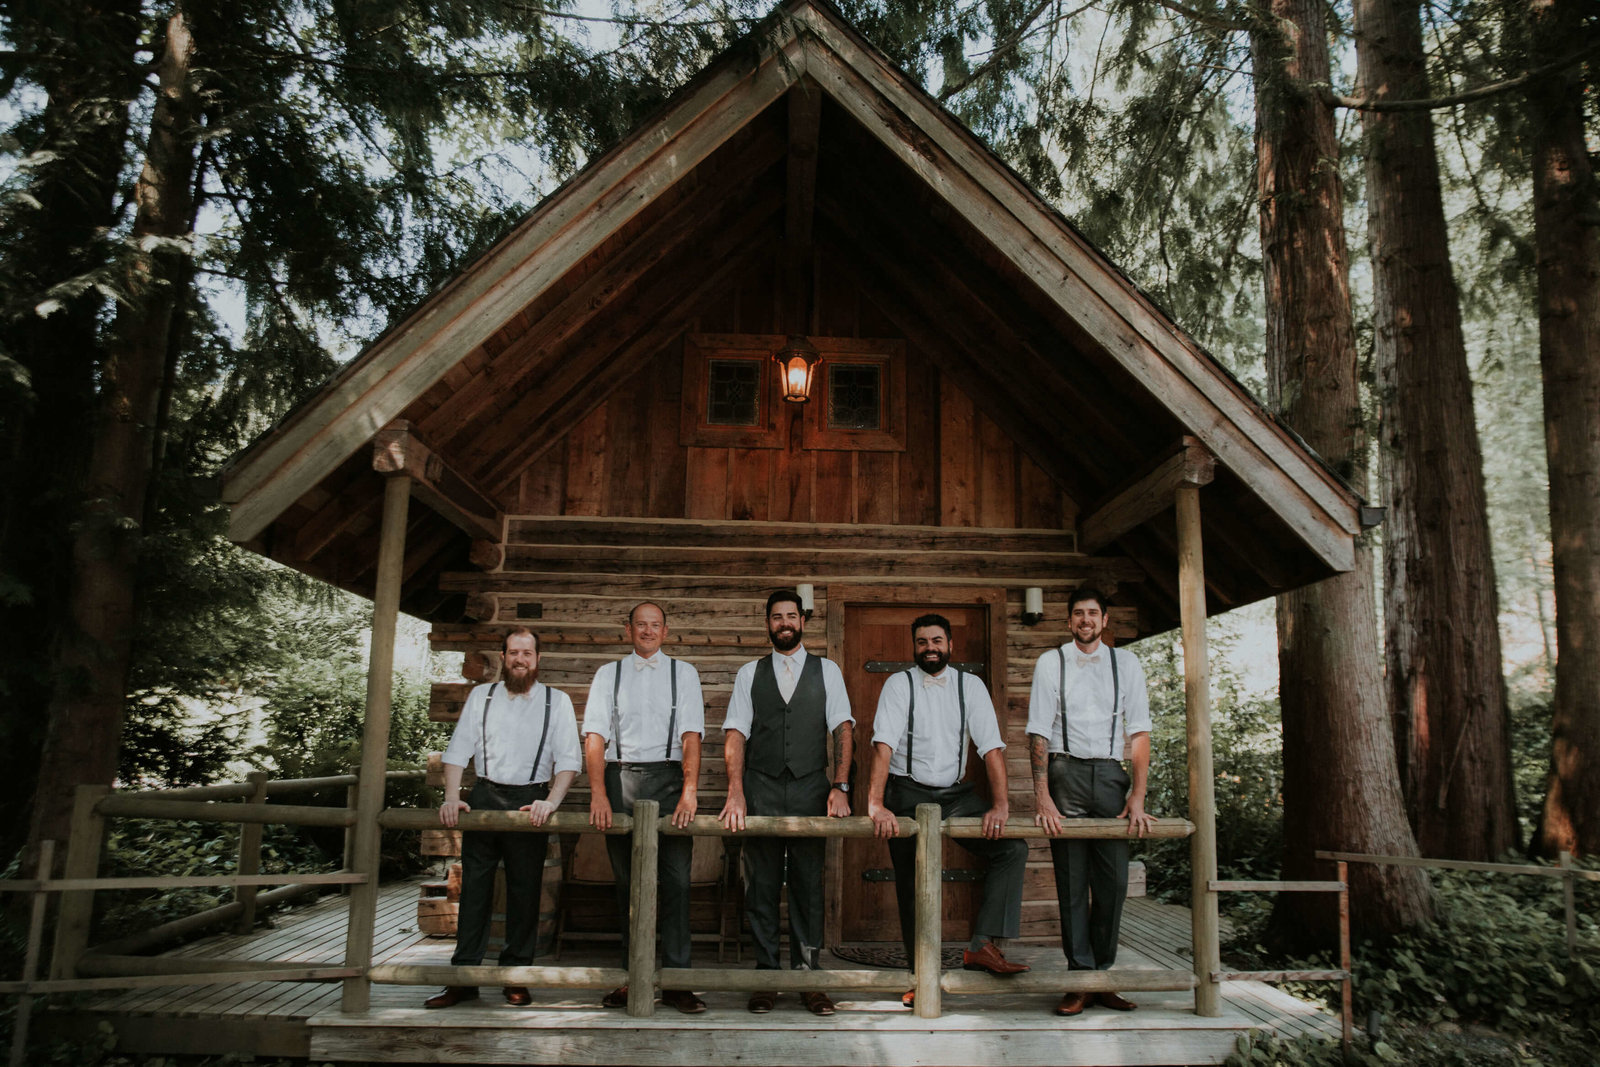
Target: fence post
column 83, row 861
column 30, row 965
column 642, row 909
column 930, row 890
column 250, row 856
column 352, row 797
column 1569, row 884
column 1346, row 990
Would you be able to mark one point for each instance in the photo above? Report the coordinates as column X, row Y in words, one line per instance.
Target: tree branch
column 1466, row 96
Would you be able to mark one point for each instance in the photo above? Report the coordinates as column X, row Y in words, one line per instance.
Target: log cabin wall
column 617, row 511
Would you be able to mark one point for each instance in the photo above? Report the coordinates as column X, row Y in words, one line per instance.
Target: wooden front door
column 877, row 641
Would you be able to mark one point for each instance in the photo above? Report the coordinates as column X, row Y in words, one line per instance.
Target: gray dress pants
column 1091, row 876
column 481, row 852
column 766, row 859
column 626, row 784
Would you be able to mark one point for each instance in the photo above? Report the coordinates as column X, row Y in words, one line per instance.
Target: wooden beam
column 805, row 119
column 1202, row 776
column 357, row 992
column 1146, row 496
column 701, row 533
column 396, row 449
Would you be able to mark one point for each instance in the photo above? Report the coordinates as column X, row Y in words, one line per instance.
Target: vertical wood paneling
column 542, row 490
column 793, row 470
column 706, row 484
column 919, row 464
column 668, row 459
column 997, row 480
column 749, row 482
column 875, row 486
column 958, row 458
column 586, row 465
column 1038, row 497
column 628, row 445
column 835, row 493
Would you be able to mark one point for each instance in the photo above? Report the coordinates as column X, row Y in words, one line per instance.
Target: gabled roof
column 1081, row 344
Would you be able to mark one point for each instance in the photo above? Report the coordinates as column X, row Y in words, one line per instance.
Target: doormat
column 887, row 956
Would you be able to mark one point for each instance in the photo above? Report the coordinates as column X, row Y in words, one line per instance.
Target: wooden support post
column 83, row 861
column 1569, row 899
column 357, row 994
column 30, row 962
column 642, row 909
column 250, row 855
column 930, row 906
column 1202, row 778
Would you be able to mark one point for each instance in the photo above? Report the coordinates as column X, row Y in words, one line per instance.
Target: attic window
column 855, row 396
column 862, row 404
column 730, row 388
column 733, row 392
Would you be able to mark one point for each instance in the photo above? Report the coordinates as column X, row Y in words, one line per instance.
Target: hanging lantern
column 799, row 359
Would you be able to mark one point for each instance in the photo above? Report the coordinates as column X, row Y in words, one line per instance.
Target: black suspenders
column 911, row 723
column 672, row 719
column 483, row 732
column 1116, row 692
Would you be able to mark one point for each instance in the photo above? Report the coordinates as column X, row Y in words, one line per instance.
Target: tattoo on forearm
column 1039, row 758
column 841, row 735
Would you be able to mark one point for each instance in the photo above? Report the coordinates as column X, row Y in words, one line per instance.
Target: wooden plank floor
column 303, row 1018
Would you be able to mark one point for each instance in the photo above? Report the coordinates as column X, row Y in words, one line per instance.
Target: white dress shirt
column 644, row 712
column 515, row 723
column 786, row 669
column 1089, row 712
column 939, row 744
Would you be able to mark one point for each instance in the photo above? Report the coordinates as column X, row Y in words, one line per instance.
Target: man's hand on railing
column 684, row 813
column 599, row 810
column 885, row 823
column 994, row 821
column 451, row 810
column 1046, row 814
column 733, row 812
column 838, row 804
column 1138, row 821
column 539, row 811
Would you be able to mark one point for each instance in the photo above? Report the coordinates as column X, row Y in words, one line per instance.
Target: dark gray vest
column 792, row 735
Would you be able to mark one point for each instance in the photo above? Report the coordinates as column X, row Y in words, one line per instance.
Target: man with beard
column 523, row 738
column 641, row 741
column 775, row 744
column 919, row 741
column 1088, row 704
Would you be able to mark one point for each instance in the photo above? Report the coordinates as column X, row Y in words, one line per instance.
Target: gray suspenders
column 672, row 719
column 1116, row 692
column 483, row 732
column 911, row 723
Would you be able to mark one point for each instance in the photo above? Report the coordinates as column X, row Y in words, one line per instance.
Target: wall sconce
column 807, row 603
column 799, row 359
column 1032, row 605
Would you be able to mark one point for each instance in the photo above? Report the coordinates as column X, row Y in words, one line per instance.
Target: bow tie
column 930, row 680
column 1084, row 661
column 643, row 663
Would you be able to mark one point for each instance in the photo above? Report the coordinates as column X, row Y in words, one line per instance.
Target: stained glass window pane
column 734, row 387
column 855, row 396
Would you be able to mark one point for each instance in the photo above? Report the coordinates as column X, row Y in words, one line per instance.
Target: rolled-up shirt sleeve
column 1136, row 702
column 466, row 740
column 740, row 711
column 597, row 709
column 981, row 721
column 1044, row 699
column 889, row 722
column 838, row 695
column 565, row 753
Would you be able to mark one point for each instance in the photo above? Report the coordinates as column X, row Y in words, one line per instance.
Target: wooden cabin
column 592, row 414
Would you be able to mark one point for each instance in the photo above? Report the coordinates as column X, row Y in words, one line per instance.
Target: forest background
column 206, row 208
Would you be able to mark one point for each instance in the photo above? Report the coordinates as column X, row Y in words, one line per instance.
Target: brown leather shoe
column 762, row 1002
column 451, row 996
column 988, row 958
column 817, row 1003
column 1114, row 1002
column 908, row 999
column 517, row 996
column 617, row 998
column 683, row 1000
column 1072, row 1003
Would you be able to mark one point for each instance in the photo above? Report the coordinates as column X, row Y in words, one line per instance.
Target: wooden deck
column 303, row 1018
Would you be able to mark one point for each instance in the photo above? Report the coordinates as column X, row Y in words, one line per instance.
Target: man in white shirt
column 775, row 741
column 919, row 739
column 642, row 727
column 1088, row 705
column 522, row 736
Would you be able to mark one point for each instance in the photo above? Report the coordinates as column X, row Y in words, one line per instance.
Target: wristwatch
column 843, row 787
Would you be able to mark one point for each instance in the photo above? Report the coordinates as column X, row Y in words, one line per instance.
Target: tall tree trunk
column 83, row 58
column 85, row 719
column 1440, row 605
column 1340, row 783
column 1566, row 226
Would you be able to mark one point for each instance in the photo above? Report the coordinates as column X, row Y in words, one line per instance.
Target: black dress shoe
column 683, row 1000
column 817, row 1003
column 762, row 1002
column 1114, row 1002
column 617, row 998
column 517, row 996
column 451, row 996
